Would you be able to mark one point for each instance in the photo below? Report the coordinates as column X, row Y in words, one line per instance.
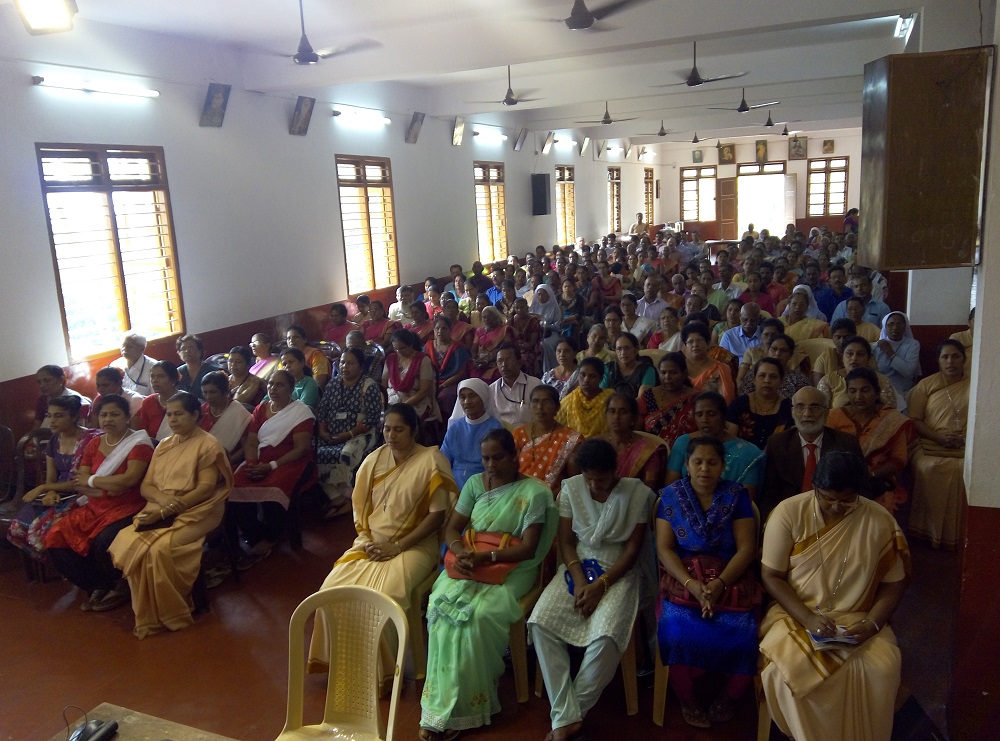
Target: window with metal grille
column 827, row 194
column 491, row 211
column 615, row 199
column 698, row 194
column 647, row 193
column 565, row 205
column 368, row 222
column 108, row 211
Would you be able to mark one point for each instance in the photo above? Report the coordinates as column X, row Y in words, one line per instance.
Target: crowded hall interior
column 619, row 395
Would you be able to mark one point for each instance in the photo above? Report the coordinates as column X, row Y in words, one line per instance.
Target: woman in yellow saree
column 402, row 494
column 185, row 488
column 837, row 565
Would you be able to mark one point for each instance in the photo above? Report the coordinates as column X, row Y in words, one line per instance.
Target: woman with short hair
column 152, row 414
column 306, row 389
column 191, row 351
column 245, row 388
column 408, row 376
column 315, row 359
column 705, row 373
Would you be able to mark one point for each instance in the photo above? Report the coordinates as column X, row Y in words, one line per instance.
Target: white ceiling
column 809, row 54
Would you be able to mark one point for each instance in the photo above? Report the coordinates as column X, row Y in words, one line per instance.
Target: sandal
column 96, row 596
column 114, row 599
column 722, row 711
column 695, row 716
column 336, row 509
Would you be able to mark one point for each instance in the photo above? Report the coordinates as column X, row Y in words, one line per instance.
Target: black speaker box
column 541, row 196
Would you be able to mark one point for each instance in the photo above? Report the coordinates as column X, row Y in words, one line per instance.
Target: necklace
column 212, row 410
column 757, row 408
column 959, row 423
column 107, row 440
column 822, row 561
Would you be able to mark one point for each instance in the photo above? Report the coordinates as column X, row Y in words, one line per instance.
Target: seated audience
column 421, row 326
column 803, row 319
column 461, row 331
column 635, row 324
column 897, row 354
column 708, row 518
column 512, row 389
column 277, row 451
column 468, row 620
column 613, row 323
column 486, row 342
column 471, row 420
column 110, row 471
column 561, row 376
column 152, row 414
column 855, row 311
column 603, row 520
column 939, row 406
column 836, row 291
column 606, row 289
column 339, row 326
column 451, row 361
column 47, row 503
column 306, row 389
column 315, row 359
column 754, row 294
column 792, row 455
column 109, row 380
column 746, row 335
column 403, row 494
column 583, row 408
column 400, row 310
column 857, row 353
column 966, row 335
column 185, row 489
column 667, row 335
column 379, row 328
column 135, row 364
column 886, row 436
column 730, row 320
column 845, row 694
column 409, row 376
column 706, row 374
column 350, row 417
column 51, row 381
column 597, row 345
column 874, row 309
column 546, row 446
column 506, row 303
column 744, row 462
column 373, row 352
column 841, row 330
column 782, row 348
column 640, row 455
column 265, row 363
column 225, row 419
column 528, row 333
column 364, row 304
column 191, row 351
column 244, row 387
column 628, row 370
column 667, row 410
column 763, row 411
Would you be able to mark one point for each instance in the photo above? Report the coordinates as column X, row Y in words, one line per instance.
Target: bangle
column 90, row 481
column 493, row 556
column 866, row 620
column 724, row 585
column 604, row 581
column 577, row 560
column 161, row 513
column 456, row 540
column 274, row 465
column 686, row 583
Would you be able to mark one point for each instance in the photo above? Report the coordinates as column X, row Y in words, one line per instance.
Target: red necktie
column 807, row 476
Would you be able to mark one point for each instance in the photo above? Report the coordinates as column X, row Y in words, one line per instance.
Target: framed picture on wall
column 727, row 154
column 797, row 148
column 828, row 146
column 760, row 147
column 303, row 113
column 697, row 156
column 216, row 100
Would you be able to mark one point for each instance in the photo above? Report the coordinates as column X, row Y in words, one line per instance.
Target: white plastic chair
column 356, row 617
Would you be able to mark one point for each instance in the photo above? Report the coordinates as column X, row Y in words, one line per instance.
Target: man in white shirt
column 639, row 228
column 651, row 305
column 400, row 311
column 726, row 285
column 512, row 391
column 134, row 364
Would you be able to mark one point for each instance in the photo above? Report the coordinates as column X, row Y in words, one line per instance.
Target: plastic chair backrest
column 220, row 359
column 355, row 618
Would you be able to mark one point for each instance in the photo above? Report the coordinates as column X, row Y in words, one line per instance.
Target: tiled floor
column 227, row 674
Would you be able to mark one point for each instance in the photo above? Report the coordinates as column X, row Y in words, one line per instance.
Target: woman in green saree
column 468, row 621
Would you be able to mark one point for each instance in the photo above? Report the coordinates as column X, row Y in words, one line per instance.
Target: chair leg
column 763, row 715
column 629, row 677
column 539, row 682
column 519, row 657
column 418, row 651
column 199, row 592
column 662, row 674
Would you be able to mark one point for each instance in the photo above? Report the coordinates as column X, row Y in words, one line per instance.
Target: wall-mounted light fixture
column 103, row 87
column 361, row 118
column 489, row 136
column 904, row 24
column 46, row 16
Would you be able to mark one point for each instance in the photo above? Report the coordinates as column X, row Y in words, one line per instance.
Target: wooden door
column 725, row 197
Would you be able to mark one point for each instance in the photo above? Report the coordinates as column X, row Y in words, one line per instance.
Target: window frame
column 106, row 185
column 360, row 162
column 615, row 199
column 827, row 170
column 704, row 172
column 745, row 169
column 648, row 180
column 500, row 196
column 565, row 193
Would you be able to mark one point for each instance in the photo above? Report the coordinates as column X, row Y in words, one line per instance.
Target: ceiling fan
column 661, row 132
column 743, row 107
column 607, row 118
column 694, row 79
column 509, row 98
column 581, row 18
column 770, row 122
column 305, row 54
column 694, row 140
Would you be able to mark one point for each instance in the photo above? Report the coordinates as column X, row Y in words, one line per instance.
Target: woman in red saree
column 379, row 328
column 488, row 337
column 529, row 336
column 421, row 326
column 461, row 331
column 667, row 410
column 409, row 376
column 450, row 360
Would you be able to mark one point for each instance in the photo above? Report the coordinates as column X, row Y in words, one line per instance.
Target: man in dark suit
column 792, row 454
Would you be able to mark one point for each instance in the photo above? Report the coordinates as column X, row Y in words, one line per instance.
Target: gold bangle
column 724, row 585
column 604, row 580
column 456, row 540
column 686, row 583
column 573, row 562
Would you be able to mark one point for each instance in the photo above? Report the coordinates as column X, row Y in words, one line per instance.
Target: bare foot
column 567, row 732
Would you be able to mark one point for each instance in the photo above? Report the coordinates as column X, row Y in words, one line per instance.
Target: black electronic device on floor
column 95, row 730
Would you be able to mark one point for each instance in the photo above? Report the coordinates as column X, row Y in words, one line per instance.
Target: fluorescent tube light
column 103, row 87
